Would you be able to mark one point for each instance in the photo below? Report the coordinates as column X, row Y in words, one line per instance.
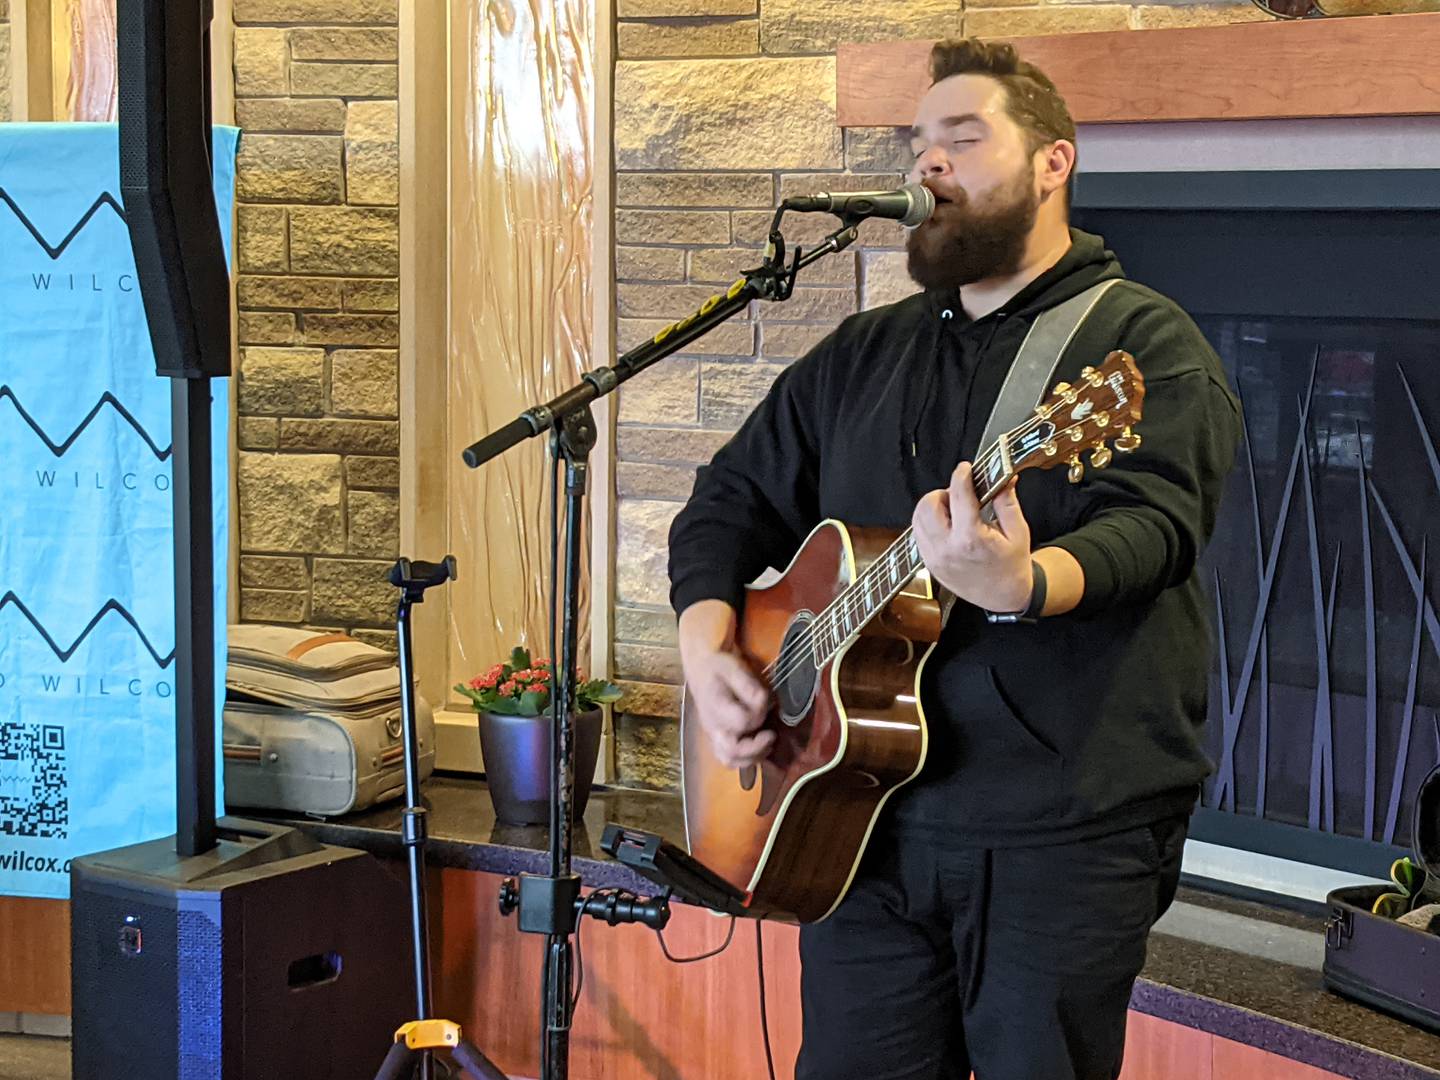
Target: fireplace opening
column 1320, row 290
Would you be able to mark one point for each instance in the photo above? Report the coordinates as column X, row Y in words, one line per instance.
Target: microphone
column 910, row 205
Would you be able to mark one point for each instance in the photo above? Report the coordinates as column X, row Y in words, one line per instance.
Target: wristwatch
column 1032, row 610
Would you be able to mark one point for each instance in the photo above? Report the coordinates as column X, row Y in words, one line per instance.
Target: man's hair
column 1031, row 98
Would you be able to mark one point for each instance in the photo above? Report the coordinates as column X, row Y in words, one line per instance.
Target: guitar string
column 851, row 600
column 793, row 654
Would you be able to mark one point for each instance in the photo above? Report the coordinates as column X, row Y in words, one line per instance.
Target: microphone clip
column 773, row 279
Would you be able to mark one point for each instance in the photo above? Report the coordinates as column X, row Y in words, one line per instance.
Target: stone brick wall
column 318, row 255
column 5, row 107
column 721, row 108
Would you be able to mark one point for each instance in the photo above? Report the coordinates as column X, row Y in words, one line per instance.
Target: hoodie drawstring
column 945, row 316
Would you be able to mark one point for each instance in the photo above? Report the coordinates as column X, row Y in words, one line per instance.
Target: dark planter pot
column 517, row 764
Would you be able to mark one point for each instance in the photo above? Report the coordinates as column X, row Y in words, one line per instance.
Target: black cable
column 554, row 668
column 609, row 890
column 703, row 956
column 578, row 983
column 764, row 1010
column 555, row 581
column 545, row 1020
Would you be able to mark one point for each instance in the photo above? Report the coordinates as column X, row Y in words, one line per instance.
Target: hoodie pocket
column 1014, row 713
column 1006, row 770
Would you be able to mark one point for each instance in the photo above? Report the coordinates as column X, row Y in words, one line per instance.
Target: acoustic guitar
column 842, row 637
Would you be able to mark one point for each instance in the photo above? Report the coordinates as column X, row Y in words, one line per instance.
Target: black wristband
column 1037, row 593
column 1032, row 610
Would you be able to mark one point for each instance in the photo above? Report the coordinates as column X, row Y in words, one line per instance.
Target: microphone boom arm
column 771, row 280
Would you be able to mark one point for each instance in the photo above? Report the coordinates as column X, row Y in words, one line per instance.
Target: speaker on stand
column 233, row 950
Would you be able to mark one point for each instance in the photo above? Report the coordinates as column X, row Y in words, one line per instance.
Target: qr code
column 33, row 792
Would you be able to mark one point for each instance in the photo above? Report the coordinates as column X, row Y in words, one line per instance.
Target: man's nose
column 933, row 162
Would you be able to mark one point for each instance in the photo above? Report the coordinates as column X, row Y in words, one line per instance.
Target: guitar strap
column 1040, row 353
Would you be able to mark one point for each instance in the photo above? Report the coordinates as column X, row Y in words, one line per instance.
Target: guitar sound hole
column 795, row 676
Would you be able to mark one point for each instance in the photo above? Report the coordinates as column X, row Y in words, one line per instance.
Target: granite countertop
column 1238, row 969
column 464, row 834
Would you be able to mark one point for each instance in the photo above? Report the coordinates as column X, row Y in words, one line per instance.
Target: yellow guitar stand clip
column 413, row 1041
column 429, row 1034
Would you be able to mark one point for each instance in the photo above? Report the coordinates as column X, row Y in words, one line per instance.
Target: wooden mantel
column 1370, row 65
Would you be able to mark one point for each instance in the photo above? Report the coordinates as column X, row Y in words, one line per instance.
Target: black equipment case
column 1381, row 962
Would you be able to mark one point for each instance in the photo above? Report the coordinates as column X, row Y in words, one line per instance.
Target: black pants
column 1014, row 962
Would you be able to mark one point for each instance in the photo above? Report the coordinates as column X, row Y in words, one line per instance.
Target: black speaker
column 163, row 61
column 270, row 957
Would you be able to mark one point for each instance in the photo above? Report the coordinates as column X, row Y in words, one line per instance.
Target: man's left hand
column 986, row 563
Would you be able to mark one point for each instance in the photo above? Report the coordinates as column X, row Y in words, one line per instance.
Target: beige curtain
column 522, row 91
column 83, row 72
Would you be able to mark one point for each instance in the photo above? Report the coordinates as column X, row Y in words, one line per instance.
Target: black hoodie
column 1079, row 724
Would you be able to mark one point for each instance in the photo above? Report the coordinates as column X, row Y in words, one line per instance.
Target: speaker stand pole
column 190, row 456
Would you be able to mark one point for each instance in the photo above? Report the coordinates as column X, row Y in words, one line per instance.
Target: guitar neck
column 868, row 594
column 1101, row 407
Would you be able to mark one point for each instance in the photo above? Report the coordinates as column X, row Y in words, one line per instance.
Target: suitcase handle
column 1339, row 929
column 297, row 651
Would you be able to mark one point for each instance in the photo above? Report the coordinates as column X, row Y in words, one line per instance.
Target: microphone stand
column 552, row 904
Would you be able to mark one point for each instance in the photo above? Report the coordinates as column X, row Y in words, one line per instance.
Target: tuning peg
column 1101, row 419
column 1077, row 434
column 1128, row 442
column 1049, row 449
column 1100, row 457
column 1091, row 376
column 1077, row 469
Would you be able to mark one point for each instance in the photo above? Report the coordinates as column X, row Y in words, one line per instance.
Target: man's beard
column 963, row 243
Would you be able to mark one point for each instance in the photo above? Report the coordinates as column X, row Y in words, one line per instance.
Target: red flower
column 489, row 679
column 509, row 687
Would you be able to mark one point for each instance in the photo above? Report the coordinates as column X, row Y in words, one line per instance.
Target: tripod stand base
column 424, row 1036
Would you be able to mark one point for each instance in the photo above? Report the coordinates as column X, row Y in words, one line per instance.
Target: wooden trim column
column 602, row 474
column 424, row 247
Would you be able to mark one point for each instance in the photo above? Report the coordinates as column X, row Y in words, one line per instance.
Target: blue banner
column 87, row 623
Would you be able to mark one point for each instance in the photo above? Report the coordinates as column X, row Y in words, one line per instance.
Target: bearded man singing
column 999, row 917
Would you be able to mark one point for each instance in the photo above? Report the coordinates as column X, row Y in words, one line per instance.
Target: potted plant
column 512, row 700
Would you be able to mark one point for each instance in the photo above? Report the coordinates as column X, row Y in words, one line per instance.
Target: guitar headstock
column 1101, row 408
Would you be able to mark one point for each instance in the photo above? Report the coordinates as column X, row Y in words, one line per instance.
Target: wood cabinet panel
column 34, row 956
column 1157, row 1049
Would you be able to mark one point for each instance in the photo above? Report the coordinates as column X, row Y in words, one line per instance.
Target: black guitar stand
column 412, row 1054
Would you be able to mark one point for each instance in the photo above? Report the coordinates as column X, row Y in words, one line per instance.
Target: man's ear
column 1056, row 163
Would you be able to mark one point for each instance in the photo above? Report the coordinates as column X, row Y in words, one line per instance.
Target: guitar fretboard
column 863, row 599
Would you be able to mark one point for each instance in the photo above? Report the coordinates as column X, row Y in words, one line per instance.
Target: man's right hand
column 730, row 700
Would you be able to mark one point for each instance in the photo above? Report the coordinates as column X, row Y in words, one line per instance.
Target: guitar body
column 790, row 831
column 841, row 639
